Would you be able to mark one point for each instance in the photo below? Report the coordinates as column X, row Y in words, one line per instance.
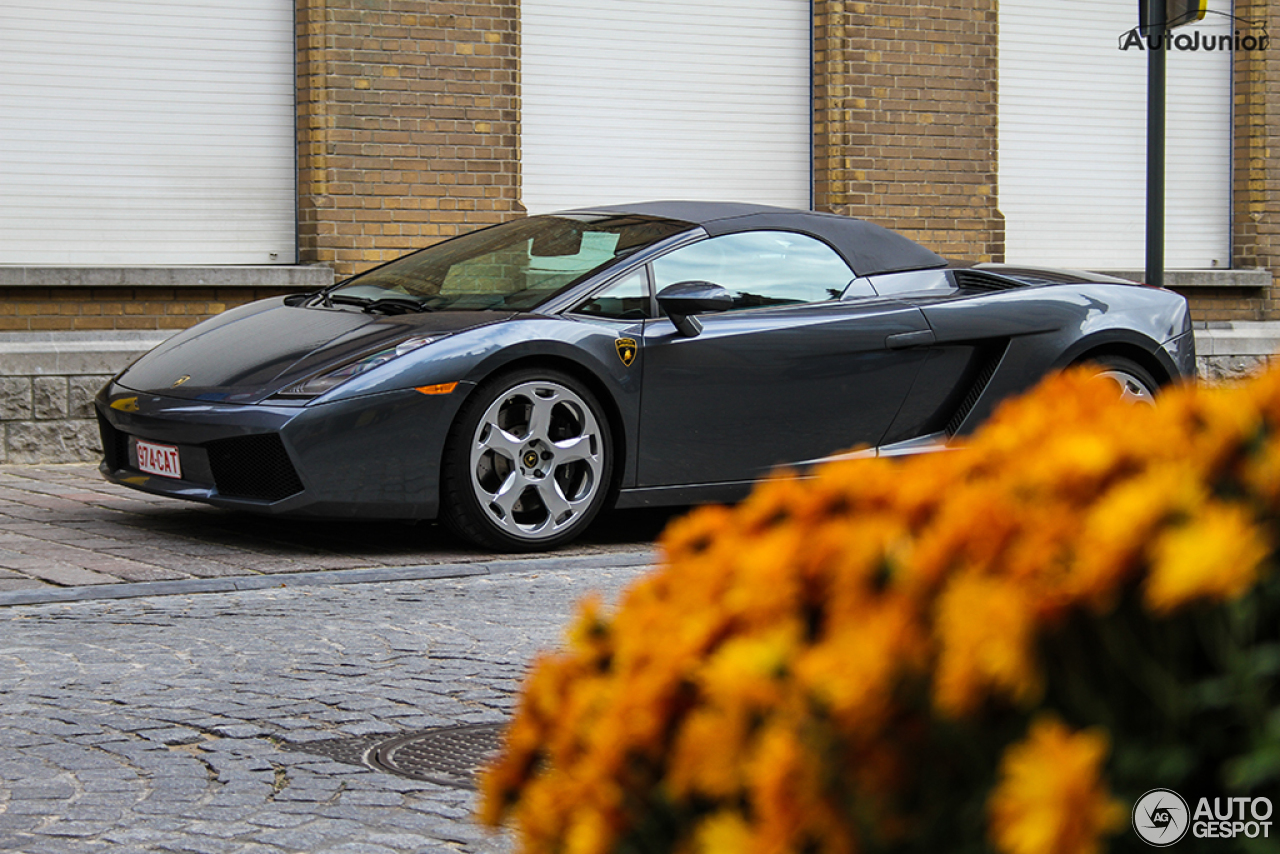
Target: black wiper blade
column 347, row 299
column 395, row 305
column 301, row 299
column 383, row 305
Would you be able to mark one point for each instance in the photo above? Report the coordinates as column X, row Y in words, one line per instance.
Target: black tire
column 528, row 462
column 1136, row 383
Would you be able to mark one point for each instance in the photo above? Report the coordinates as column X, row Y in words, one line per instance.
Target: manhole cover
column 448, row 755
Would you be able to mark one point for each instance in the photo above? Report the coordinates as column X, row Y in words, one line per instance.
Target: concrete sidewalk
column 66, row 534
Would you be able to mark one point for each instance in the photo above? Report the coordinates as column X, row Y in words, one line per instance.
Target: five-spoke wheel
column 528, row 462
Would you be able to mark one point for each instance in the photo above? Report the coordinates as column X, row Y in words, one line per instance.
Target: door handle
column 903, row 340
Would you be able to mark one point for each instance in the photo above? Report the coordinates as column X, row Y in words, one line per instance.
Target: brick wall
column 408, row 132
column 84, row 309
column 1256, row 194
column 1213, row 305
column 408, row 122
column 905, row 120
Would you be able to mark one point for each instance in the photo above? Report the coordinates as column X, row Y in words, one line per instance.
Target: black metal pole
column 1155, row 141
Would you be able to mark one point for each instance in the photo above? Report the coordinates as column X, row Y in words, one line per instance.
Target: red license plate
column 159, row 459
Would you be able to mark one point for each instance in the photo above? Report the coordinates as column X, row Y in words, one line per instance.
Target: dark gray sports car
column 516, row 379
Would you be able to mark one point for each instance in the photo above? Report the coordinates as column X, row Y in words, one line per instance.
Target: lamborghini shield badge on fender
column 626, row 350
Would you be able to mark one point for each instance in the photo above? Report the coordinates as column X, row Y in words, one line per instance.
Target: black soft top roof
column 868, row 248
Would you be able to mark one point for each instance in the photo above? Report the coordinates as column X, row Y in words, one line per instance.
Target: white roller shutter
column 139, row 132
column 1073, row 139
column 665, row 99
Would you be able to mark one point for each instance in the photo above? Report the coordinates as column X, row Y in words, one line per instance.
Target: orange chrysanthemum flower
column 1217, row 554
column 986, row 631
column 1051, row 798
column 780, row 682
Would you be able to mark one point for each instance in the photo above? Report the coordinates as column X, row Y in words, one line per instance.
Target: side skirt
column 728, row 493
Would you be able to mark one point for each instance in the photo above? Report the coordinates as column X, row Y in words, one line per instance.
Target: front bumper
column 369, row 457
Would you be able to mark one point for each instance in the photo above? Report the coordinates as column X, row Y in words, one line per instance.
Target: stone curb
column 99, row 354
column 45, row 596
column 239, row 276
column 1248, row 277
column 1259, row 338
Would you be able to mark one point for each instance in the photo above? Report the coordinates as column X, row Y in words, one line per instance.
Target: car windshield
column 510, row 267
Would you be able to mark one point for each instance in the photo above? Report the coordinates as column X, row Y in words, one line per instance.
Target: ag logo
column 180, row 380
column 626, row 350
column 1161, row 818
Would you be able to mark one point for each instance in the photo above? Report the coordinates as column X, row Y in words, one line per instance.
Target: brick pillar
column 408, row 124
column 905, row 120
column 1256, row 193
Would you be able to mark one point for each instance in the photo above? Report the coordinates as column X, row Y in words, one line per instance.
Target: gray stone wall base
column 1222, row 369
column 47, row 384
column 1235, row 350
column 48, row 381
column 64, row 441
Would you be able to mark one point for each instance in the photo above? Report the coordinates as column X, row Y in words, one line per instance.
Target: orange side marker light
column 440, row 388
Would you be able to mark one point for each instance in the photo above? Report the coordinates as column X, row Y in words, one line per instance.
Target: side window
column 625, row 299
column 759, row 268
column 914, row 281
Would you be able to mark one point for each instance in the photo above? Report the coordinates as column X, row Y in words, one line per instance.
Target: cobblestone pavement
column 159, row 724
column 203, row 720
column 63, row 526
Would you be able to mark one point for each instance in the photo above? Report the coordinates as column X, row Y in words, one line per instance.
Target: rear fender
column 1163, row 365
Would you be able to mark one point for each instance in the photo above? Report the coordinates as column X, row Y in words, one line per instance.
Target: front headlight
column 318, row 384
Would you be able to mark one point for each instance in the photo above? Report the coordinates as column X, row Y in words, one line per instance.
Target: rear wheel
column 528, row 462
column 1134, row 382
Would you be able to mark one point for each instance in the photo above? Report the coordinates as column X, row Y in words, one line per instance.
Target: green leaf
column 1216, row 693
column 1255, row 768
column 1264, row 660
column 1165, row 764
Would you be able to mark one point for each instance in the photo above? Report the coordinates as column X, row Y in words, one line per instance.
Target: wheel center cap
column 530, row 459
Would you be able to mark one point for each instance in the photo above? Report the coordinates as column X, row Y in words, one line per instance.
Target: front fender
column 590, row 350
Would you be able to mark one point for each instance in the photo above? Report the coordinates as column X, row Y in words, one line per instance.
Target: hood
column 249, row 353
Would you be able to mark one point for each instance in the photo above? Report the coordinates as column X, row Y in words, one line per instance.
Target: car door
column 792, row 374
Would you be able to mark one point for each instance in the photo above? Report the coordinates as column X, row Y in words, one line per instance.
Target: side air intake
column 977, row 280
column 986, row 369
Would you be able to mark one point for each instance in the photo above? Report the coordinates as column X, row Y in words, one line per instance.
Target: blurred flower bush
column 998, row 648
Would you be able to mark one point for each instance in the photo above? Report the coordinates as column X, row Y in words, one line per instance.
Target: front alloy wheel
column 529, row 465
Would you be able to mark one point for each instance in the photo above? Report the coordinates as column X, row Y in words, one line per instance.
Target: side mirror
column 683, row 300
